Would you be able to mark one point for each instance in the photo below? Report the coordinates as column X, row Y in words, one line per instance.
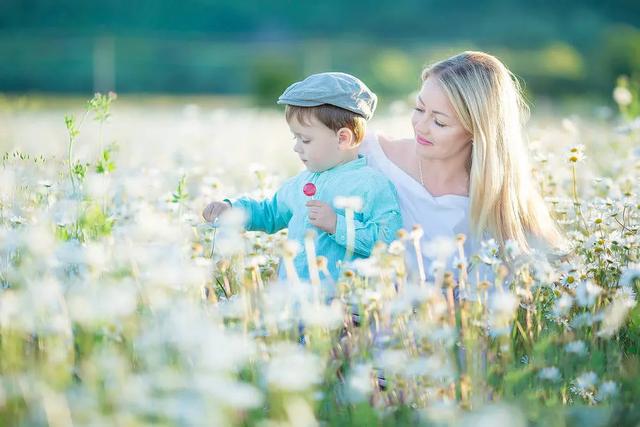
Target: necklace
column 421, row 178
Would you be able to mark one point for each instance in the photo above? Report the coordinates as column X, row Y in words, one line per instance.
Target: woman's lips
column 423, row 141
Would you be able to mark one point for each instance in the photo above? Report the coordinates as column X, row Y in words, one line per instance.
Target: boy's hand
column 322, row 216
column 213, row 210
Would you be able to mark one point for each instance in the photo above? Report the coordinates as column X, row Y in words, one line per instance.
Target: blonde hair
column 503, row 199
column 335, row 118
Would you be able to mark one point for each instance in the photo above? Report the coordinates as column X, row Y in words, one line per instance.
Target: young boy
column 327, row 115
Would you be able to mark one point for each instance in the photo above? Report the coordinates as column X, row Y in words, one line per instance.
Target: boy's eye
column 304, row 141
column 421, row 110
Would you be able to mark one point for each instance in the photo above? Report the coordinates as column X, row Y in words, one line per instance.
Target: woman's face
column 438, row 131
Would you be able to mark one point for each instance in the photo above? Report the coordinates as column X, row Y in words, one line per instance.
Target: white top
column 439, row 216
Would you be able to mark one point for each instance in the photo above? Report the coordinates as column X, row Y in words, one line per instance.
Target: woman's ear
column 346, row 139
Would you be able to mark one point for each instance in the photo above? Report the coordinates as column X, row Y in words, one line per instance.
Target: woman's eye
column 439, row 124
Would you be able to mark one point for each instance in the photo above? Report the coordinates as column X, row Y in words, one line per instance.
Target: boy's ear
column 346, row 139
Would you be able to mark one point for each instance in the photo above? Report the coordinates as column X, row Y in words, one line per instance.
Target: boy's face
column 317, row 146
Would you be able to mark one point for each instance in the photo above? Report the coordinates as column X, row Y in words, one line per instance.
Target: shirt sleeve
column 381, row 221
column 269, row 215
column 366, row 147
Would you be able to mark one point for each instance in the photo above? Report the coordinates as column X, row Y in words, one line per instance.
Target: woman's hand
column 322, row 216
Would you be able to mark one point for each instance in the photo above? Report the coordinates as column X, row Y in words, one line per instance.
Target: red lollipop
column 309, row 189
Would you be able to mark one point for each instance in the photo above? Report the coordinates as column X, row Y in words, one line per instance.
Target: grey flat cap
column 339, row 89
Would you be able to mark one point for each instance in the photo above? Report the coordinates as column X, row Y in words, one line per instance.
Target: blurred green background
column 562, row 48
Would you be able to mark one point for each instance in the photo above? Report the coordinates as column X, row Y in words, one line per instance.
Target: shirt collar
column 352, row 165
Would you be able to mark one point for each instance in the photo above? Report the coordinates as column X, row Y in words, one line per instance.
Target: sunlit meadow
column 120, row 306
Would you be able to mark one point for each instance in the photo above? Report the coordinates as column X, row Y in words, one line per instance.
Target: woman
column 466, row 169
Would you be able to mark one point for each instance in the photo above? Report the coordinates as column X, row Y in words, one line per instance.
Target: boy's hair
column 333, row 117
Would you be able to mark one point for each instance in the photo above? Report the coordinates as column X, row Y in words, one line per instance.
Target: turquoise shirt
column 379, row 219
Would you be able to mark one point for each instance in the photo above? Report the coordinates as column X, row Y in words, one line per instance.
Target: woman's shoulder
column 396, row 149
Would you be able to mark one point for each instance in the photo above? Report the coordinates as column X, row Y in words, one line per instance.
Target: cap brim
column 298, row 102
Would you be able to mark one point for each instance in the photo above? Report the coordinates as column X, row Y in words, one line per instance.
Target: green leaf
column 181, row 194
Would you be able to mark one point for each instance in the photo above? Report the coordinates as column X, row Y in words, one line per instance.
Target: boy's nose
column 297, row 148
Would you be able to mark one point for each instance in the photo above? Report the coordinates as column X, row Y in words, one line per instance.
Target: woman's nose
column 422, row 125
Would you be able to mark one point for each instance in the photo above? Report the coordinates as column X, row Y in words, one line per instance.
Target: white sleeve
column 366, row 147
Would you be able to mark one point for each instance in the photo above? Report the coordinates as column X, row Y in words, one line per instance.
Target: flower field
column 120, row 306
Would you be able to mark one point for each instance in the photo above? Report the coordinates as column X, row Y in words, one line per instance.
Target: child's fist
column 322, row 216
column 213, row 210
